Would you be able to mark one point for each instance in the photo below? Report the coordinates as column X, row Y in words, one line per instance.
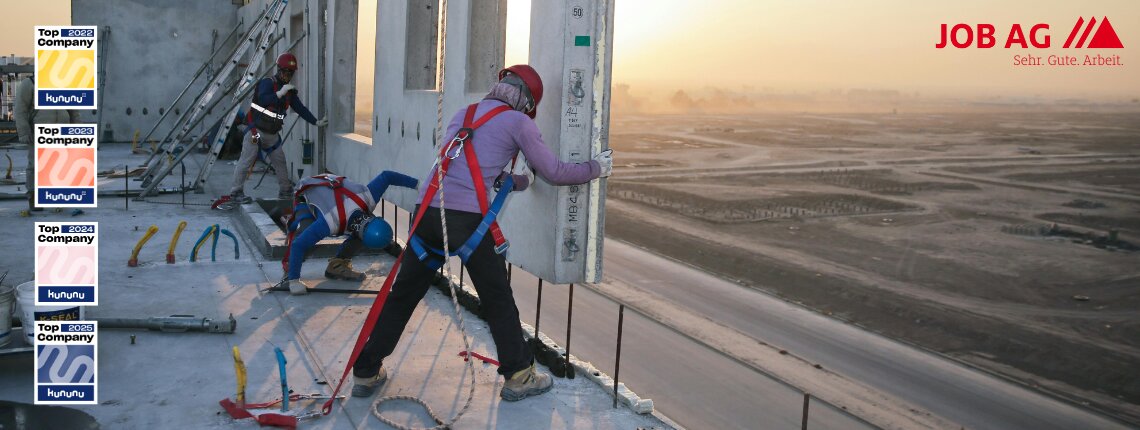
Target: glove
column 285, row 89
column 322, row 122
column 298, row 287
column 606, row 161
column 528, row 174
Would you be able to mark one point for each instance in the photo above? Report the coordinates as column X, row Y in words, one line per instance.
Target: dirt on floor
column 1023, row 264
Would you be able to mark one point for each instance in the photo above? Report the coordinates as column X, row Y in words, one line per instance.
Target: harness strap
column 382, row 296
column 433, row 257
column 465, row 138
column 336, row 183
column 339, row 194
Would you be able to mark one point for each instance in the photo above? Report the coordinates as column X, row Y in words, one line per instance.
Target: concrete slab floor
column 169, row 380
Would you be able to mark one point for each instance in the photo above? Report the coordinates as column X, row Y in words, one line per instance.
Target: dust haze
column 1002, row 232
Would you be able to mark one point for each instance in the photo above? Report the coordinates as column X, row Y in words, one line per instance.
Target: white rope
column 470, row 367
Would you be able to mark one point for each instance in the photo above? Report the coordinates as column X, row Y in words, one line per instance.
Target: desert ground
column 1005, row 240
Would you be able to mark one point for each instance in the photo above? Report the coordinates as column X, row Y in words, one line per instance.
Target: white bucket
column 30, row 313
column 7, row 304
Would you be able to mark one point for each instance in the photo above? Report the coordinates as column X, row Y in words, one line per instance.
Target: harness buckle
column 500, row 249
column 334, row 182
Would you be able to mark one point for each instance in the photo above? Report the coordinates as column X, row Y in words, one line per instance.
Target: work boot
column 341, row 268
column 364, row 387
column 32, row 204
column 241, row 199
column 298, row 287
column 525, row 383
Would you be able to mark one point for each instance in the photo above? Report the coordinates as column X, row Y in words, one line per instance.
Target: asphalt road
column 943, row 387
column 691, row 384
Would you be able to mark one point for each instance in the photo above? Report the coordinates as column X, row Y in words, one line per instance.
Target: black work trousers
column 488, row 274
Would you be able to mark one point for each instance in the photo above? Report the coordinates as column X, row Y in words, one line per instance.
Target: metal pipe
column 538, row 309
column 569, row 317
column 617, row 361
column 171, row 324
column 807, row 399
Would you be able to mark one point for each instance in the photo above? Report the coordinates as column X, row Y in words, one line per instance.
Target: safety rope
column 439, row 73
column 470, row 366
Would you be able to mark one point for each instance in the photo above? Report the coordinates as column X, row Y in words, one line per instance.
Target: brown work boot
column 364, row 387
column 525, row 383
column 341, row 268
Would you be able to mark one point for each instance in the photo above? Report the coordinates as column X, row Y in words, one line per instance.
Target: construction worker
column 330, row 205
column 26, row 117
column 500, row 126
column 272, row 98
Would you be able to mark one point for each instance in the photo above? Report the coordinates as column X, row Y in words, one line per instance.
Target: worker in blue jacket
column 272, row 98
column 329, row 205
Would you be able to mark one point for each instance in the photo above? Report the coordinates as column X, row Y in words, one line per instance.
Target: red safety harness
column 463, row 138
column 336, row 183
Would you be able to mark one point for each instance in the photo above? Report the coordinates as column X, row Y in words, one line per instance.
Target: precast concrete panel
column 570, row 47
column 554, row 232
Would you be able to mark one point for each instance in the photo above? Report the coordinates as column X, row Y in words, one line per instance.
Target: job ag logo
column 1084, row 35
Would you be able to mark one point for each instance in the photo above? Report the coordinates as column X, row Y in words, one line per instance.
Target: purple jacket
column 496, row 142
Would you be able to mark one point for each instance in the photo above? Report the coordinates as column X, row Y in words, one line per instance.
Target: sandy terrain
column 985, row 237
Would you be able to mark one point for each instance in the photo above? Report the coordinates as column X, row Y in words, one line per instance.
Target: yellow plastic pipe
column 135, row 143
column 134, row 261
column 174, row 242
column 239, row 369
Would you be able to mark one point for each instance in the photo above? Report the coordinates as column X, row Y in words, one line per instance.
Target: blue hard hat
column 376, row 233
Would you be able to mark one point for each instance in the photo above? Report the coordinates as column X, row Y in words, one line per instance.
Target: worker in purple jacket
column 502, row 125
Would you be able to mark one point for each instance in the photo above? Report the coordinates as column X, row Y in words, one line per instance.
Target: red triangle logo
column 1105, row 37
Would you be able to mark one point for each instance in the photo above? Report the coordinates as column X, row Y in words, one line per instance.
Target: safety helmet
column 533, row 83
column 376, row 233
column 287, row 61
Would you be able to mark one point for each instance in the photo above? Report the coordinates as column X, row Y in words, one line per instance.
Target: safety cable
column 470, row 366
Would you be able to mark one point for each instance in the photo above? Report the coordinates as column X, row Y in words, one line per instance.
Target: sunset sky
column 813, row 45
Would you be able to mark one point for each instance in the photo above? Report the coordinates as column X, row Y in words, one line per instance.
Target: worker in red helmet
column 496, row 129
column 272, row 98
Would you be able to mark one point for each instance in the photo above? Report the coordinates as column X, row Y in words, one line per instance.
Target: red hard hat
column 287, row 61
column 530, row 78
